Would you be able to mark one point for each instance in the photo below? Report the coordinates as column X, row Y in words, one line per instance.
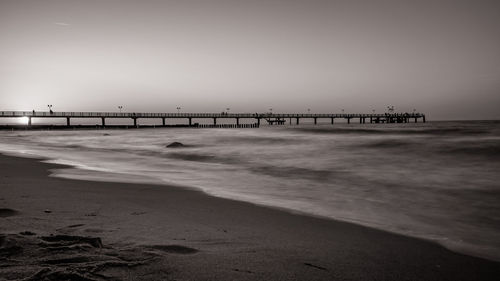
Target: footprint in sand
column 70, row 257
column 70, row 239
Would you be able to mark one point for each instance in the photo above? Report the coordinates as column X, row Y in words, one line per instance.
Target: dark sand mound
column 175, row 144
column 66, row 257
column 4, row 212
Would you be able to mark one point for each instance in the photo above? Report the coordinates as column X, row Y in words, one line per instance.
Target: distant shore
column 59, row 228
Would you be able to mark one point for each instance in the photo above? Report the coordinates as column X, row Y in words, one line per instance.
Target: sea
column 438, row 181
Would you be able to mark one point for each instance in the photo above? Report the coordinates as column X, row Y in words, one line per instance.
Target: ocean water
column 438, row 180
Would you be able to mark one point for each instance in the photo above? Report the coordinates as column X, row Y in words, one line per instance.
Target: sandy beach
column 60, row 229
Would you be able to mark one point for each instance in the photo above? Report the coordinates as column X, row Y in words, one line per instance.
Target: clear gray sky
column 440, row 57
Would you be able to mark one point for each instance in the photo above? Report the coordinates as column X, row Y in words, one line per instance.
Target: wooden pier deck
column 270, row 118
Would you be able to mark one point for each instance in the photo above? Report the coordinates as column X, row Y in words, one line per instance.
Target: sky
column 439, row 57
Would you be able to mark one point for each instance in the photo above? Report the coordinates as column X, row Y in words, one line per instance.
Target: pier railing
column 59, row 114
column 271, row 118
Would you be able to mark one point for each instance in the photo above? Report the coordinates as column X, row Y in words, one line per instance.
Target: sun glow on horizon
column 24, row 120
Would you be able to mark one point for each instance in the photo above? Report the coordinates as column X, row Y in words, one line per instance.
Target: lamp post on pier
column 50, row 108
column 120, row 108
column 178, row 110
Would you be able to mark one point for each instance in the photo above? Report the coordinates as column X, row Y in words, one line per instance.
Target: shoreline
column 61, row 172
column 228, row 239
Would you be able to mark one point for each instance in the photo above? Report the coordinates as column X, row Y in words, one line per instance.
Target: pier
column 191, row 118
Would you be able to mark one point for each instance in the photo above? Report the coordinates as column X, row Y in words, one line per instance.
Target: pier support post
column 297, row 120
column 103, row 121
column 68, row 123
column 135, row 121
column 163, row 121
column 315, row 120
column 190, row 121
column 29, row 121
column 332, row 119
column 423, row 118
column 258, row 121
column 348, row 120
column 215, row 121
column 237, row 121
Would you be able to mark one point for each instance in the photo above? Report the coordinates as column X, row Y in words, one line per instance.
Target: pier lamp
column 50, row 107
column 120, row 108
column 178, row 109
column 308, row 110
column 342, row 111
column 227, row 109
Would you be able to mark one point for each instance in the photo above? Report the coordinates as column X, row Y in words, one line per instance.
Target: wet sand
column 53, row 229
